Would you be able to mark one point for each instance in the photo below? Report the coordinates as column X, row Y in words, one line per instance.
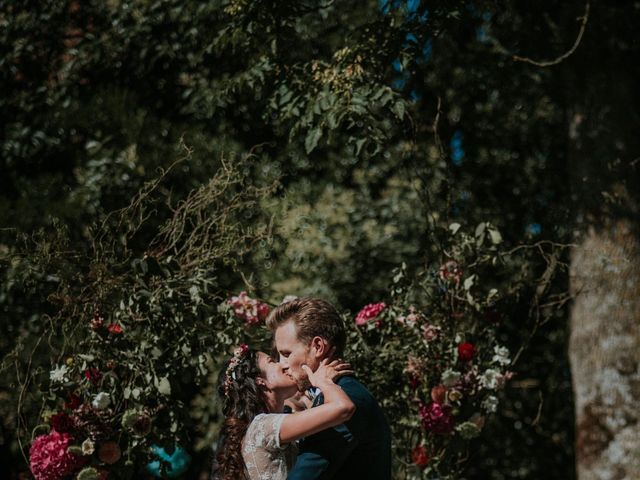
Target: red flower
column 419, row 456
column 466, row 351
column 436, row 418
column 73, row 402
column 61, row 422
column 115, row 328
column 93, row 375
column 450, row 272
column 369, row 312
column 263, row 311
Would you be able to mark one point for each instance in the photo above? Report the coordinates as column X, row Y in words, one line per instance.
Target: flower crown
column 230, row 374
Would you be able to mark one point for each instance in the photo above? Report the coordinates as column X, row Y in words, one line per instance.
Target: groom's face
column 294, row 353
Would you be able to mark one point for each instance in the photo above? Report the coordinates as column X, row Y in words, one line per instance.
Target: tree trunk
column 604, row 348
column 604, row 352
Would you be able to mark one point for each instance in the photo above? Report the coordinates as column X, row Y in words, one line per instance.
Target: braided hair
column 242, row 400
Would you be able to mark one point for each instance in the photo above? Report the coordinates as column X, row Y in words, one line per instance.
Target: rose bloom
column 466, row 351
column 419, row 456
column 109, row 452
column 369, row 312
column 430, row 332
column 437, row 418
column 439, row 394
column 50, row 459
column 248, row 309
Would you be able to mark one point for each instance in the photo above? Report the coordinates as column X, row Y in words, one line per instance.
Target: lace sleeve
column 264, row 431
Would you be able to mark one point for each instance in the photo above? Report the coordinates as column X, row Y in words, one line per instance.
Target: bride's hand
column 328, row 372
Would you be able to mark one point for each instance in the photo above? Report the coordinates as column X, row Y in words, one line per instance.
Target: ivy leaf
column 163, row 386
column 468, row 283
column 312, row 139
column 399, row 109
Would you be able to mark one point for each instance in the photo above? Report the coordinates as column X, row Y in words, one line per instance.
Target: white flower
column 468, row 430
column 490, row 404
column 101, row 401
column 88, row 447
column 501, row 355
column 491, row 379
column 288, row 298
column 59, row 374
column 450, row 377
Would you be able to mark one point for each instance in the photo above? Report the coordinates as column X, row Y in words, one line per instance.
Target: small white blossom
column 491, row 379
column 88, row 447
column 501, row 355
column 288, row 298
column 59, row 374
column 101, row 401
column 450, row 377
column 490, row 404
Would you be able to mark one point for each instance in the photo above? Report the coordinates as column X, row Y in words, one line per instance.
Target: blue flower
column 178, row 462
column 534, row 229
column 412, row 6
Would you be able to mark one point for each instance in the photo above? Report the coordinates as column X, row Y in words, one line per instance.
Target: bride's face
column 274, row 375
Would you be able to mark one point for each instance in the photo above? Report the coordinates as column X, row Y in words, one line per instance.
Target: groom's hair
column 313, row 317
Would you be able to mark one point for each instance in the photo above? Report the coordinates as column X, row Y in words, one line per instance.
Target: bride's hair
column 242, row 400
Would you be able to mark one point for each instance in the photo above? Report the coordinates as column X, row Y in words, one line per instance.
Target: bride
column 258, row 440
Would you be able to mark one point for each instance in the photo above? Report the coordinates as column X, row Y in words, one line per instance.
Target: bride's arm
column 336, row 409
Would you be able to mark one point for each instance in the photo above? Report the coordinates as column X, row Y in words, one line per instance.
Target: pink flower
column 369, row 312
column 249, row 309
column 50, row 459
column 430, row 332
column 436, row 418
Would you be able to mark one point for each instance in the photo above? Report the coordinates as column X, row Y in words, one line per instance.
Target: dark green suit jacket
column 359, row 448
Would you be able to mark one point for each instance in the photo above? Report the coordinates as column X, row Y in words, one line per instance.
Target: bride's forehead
column 263, row 358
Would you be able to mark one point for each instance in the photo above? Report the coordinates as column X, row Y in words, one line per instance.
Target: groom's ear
column 319, row 347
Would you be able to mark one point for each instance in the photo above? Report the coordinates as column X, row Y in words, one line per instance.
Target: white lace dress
column 263, row 455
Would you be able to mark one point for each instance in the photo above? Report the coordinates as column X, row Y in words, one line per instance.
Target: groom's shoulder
column 355, row 389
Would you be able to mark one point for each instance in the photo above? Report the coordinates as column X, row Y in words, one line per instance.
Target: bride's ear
column 261, row 382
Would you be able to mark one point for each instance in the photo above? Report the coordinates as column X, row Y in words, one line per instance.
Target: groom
column 307, row 330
